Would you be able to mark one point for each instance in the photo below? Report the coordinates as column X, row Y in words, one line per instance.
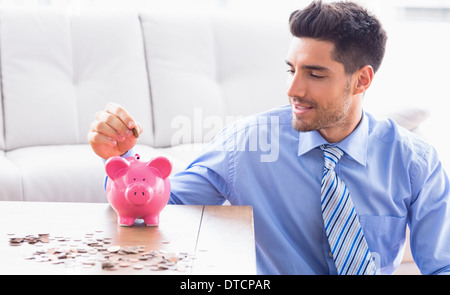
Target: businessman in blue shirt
column 395, row 179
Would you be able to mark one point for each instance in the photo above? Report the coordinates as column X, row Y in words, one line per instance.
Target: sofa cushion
column 58, row 70
column 409, row 117
column 10, row 180
column 63, row 173
column 182, row 71
column 36, row 77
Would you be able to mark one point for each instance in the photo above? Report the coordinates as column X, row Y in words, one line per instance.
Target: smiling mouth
column 301, row 105
column 300, row 110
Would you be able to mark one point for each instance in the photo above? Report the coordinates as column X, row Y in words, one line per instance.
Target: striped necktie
column 349, row 247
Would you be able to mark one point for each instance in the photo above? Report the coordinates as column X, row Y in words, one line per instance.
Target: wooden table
column 218, row 239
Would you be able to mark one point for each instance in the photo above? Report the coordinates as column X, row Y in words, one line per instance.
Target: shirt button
column 330, row 254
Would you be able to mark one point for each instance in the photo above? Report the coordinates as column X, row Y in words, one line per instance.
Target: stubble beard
column 325, row 116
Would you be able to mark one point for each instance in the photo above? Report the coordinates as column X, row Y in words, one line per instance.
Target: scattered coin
column 92, row 250
column 44, row 239
column 113, row 249
column 173, row 259
column 15, row 241
column 124, row 264
column 108, row 265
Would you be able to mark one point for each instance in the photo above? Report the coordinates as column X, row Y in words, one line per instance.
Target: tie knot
column 332, row 155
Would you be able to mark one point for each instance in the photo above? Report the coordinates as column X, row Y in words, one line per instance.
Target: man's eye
column 292, row 72
column 317, row 76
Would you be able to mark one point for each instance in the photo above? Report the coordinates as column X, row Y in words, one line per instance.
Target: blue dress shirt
column 395, row 179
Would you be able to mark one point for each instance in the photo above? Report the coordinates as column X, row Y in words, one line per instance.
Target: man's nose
column 296, row 86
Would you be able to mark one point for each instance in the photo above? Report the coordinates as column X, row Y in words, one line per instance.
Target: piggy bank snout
column 139, row 194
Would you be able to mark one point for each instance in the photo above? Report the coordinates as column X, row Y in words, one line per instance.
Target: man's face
column 318, row 88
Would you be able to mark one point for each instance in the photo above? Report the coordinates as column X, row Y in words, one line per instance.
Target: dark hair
column 358, row 37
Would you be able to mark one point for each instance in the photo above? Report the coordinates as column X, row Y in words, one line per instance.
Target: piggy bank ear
column 116, row 167
column 162, row 164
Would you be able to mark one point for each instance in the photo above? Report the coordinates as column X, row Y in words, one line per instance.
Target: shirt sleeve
column 429, row 216
column 197, row 185
column 207, row 180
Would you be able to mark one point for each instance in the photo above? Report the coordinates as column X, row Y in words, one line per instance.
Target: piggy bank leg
column 151, row 220
column 126, row 221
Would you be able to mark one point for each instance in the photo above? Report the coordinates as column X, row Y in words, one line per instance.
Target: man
column 344, row 186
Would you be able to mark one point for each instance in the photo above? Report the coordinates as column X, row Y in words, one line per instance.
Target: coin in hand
column 135, row 131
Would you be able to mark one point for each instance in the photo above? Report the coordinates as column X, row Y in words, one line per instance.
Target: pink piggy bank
column 138, row 189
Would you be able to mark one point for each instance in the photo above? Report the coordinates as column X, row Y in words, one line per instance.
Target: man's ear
column 364, row 77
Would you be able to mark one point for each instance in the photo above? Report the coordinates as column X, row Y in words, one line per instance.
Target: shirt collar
column 354, row 145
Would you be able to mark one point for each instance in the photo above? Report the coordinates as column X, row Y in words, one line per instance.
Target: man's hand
column 111, row 133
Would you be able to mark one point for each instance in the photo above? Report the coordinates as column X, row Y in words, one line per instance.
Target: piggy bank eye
column 134, row 179
column 143, row 179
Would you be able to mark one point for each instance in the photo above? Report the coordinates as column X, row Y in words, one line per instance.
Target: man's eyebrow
column 289, row 64
column 315, row 67
column 310, row 67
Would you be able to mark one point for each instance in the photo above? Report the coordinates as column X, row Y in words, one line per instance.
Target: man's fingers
column 110, row 129
column 122, row 114
column 116, row 126
column 96, row 138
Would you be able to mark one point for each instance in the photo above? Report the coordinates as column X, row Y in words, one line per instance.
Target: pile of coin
column 30, row 239
column 155, row 260
column 93, row 250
